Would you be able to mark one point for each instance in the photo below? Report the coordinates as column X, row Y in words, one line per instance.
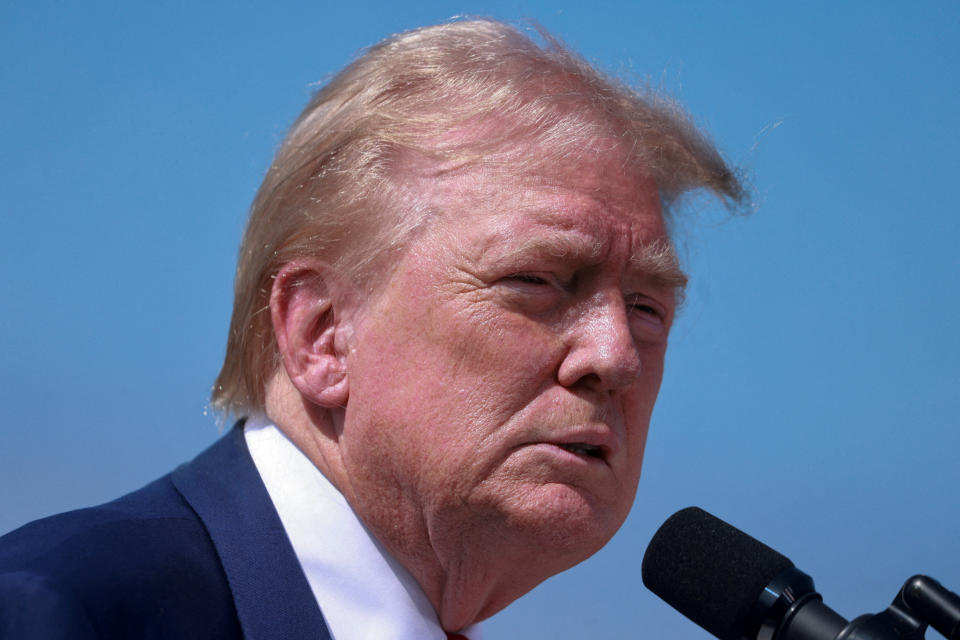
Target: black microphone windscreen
column 709, row 571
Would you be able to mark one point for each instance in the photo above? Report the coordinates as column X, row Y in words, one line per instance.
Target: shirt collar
column 361, row 589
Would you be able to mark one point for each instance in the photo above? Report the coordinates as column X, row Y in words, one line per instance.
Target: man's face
column 502, row 380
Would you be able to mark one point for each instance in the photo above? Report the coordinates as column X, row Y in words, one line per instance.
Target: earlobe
column 312, row 331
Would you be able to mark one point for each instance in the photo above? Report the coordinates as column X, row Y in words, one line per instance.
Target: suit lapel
column 271, row 593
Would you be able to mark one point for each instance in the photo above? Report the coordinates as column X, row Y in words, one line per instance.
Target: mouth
column 584, row 449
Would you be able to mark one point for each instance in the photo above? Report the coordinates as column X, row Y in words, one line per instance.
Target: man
column 451, row 311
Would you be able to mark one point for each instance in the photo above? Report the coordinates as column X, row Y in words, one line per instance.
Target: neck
column 464, row 568
column 470, row 571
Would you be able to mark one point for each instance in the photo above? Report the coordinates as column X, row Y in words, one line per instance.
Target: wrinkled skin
column 498, row 385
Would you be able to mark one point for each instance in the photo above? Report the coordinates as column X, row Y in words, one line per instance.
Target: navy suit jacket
column 199, row 553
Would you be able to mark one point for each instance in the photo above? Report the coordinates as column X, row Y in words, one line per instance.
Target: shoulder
column 140, row 566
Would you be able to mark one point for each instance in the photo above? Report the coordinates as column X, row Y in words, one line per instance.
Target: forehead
column 584, row 209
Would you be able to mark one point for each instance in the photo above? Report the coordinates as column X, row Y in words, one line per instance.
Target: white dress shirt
column 363, row 592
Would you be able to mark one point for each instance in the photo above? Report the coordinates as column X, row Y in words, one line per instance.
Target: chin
column 568, row 521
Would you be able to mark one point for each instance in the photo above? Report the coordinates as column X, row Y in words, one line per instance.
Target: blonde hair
column 336, row 189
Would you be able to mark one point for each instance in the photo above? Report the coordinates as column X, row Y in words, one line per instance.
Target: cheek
column 639, row 404
column 492, row 355
column 457, row 371
column 636, row 446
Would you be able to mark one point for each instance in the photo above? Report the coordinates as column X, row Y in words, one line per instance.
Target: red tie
column 456, row 636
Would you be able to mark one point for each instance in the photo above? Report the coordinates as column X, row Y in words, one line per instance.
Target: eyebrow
column 656, row 260
column 560, row 246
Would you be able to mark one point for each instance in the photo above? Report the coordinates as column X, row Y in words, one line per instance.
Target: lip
column 595, row 436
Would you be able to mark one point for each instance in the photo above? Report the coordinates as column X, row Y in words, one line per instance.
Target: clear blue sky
column 811, row 396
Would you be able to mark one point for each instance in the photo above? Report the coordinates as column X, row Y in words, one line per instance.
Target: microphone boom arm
column 922, row 601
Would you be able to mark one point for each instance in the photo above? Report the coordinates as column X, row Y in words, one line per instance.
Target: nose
column 602, row 353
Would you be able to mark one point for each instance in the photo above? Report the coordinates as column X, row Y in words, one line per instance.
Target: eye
column 647, row 311
column 644, row 308
column 532, row 291
column 528, row 278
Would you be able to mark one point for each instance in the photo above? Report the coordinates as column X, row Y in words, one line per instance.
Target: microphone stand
column 922, row 601
column 790, row 609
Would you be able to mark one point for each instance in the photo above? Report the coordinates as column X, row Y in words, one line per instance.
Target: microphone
column 738, row 588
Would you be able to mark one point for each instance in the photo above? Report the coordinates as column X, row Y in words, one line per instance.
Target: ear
column 312, row 330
